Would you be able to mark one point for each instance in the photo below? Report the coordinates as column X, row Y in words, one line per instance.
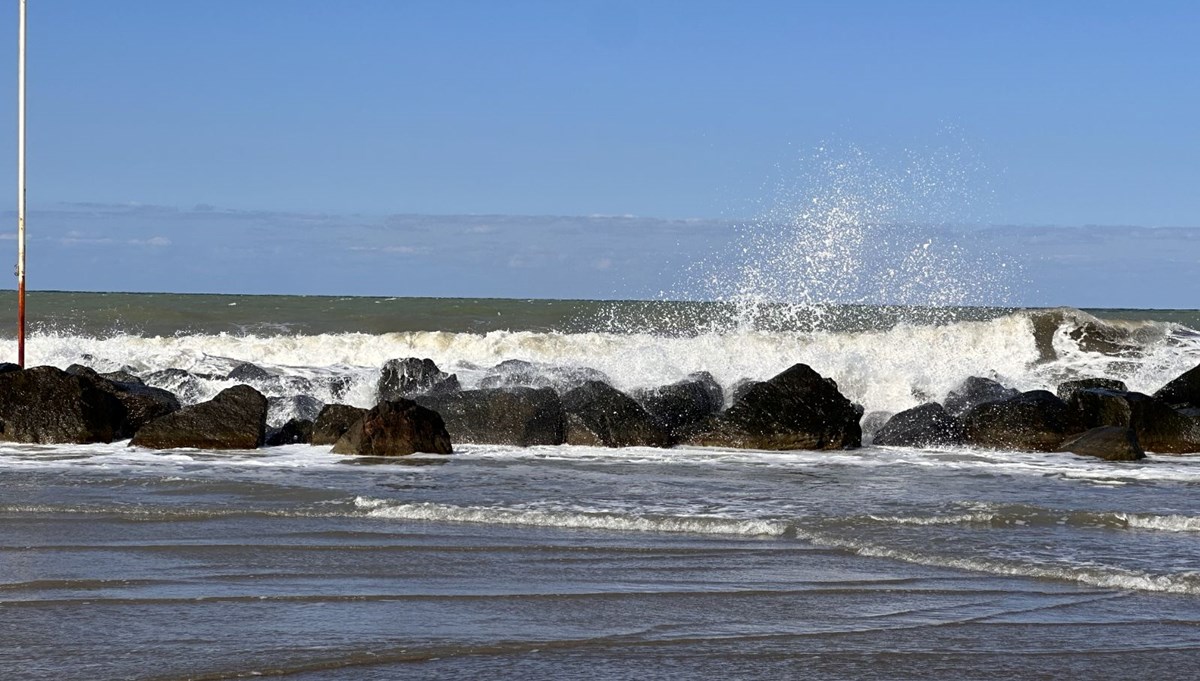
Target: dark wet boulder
column 123, row 376
column 1159, row 426
column 280, row 410
column 1111, row 443
column 406, row 378
column 294, row 432
column 48, row 405
column 679, row 407
column 333, row 421
column 740, row 388
column 871, row 422
column 142, row 403
column 580, row 434
column 395, row 428
column 614, row 417
column 235, row 419
column 975, row 391
column 1183, row 390
column 797, row 409
column 927, row 425
column 6, row 367
column 249, row 373
column 1031, row 421
column 1068, row 388
column 518, row 416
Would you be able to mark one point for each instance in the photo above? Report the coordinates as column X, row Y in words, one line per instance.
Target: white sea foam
column 586, row 520
column 884, row 370
column 1104, row 576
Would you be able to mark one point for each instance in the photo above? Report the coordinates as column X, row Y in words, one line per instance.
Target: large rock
column 1032, row 421
column 396, row 428
column 333, row 421
column 798, row 409
column 927, row 425
column 1068, row 388
column 294, row 432
column 514, row 416
column 406, row 378
column 975, row 391
column 1159, row 427
column 235, row 419
column 47, row 405
column 1111, row 443
column 142, row 403
column 615, row 418
column 680, row 407
column 1183, row 390
column 247, row 372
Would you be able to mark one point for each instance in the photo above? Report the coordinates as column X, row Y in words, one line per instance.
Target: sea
column 572, row 562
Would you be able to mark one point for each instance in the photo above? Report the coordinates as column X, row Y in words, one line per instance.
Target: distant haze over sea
column 104, row 247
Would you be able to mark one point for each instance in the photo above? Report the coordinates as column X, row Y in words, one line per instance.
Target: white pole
column 21, row 192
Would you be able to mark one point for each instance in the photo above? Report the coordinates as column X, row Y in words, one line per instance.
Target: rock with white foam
column 975, row 391
column 47, row 405
column 396, row 428
column 797, row 409
column 1033, row 421
column 409, row 377
column 1183, row 390
column 517, row 416
column 1111, row 443
column 927, row 425
column 615, row 418
column 235, row 419
column 333, row 421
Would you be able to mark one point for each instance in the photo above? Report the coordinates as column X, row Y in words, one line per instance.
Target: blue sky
column 170, row 122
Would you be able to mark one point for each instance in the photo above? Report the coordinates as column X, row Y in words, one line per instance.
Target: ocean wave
column 1018, row 516
column 1110, row 577
column 584, row 520
column 887, row 369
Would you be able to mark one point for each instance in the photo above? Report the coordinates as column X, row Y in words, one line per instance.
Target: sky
column 602, row 148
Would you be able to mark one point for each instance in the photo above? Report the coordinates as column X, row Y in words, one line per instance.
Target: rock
column 123, row 376
column 681, row 406
column 1031, row 421
column 1111, row 443
column 283, row 409
column 47, row 405
column 235, row 419
column 142, row 403
column 798, row 409
column 976, row 391
column 1183, row 390
column 580, row 434
column 395, row 428
column 333, row 422
column 6, row 367
column 1068, row 388
column 294, row 432
column 519, row 416
column 405, row 378
column 183, row 384
column 247, row 373
column 614, row 417
column 927, row 425
column 871, row 422
column 518, row 372
column 740, row 388
column 1159, row 427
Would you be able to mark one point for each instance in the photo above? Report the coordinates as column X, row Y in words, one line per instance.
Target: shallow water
column 573, row 562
